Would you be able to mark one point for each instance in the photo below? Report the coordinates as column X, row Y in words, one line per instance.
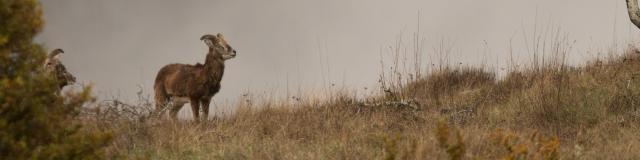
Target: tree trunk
column 634, row 12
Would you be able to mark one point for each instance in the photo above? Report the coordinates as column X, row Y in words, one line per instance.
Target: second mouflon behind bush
column 195, row 84
column 54, row 68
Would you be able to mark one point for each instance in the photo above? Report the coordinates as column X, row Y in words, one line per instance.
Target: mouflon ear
column 209, row 43
column 221, row 39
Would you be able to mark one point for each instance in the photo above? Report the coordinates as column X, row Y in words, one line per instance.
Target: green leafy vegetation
column 36, row 123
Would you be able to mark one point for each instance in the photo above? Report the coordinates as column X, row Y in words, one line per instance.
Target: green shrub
column 36, row 123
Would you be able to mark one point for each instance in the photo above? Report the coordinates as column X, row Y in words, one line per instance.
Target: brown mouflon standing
column 194, row 84
column 55, row 68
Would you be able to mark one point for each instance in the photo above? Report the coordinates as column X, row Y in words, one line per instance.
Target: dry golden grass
column 549, row 112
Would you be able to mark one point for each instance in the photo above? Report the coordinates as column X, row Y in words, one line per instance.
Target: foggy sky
column 119, row 44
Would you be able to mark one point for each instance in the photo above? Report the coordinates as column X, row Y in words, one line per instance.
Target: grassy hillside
column 547, row 112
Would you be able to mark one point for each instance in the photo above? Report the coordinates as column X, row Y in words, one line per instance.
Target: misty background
column 287, row 46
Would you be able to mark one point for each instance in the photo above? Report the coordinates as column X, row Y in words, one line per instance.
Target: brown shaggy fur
column 196, row 84
column 55, row 68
